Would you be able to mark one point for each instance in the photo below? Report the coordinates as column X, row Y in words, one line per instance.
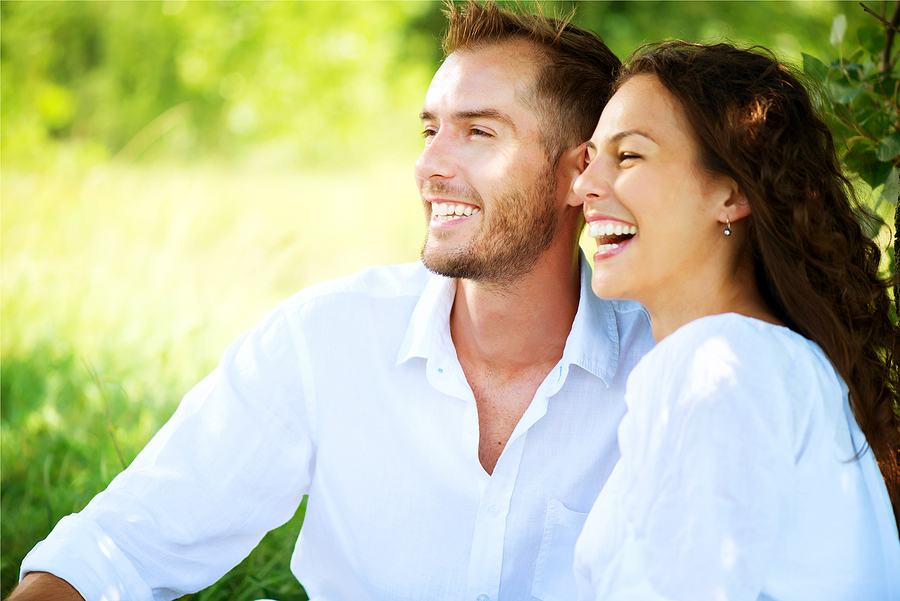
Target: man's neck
column 520, row 326
column 507, row 341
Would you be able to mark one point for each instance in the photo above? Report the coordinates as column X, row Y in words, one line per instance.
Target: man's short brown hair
column 573, row 83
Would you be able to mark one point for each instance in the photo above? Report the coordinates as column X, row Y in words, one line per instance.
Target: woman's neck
column 738, row 294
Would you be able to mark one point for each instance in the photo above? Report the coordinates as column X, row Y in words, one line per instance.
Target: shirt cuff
column 79, row 552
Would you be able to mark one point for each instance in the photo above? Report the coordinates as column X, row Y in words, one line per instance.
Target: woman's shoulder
column 745, row 341
column 733, row 356
column 739, row 327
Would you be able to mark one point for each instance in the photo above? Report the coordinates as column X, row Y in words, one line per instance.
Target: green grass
column 120, row 289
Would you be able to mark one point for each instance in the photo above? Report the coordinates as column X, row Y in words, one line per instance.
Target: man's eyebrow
column 493, row 114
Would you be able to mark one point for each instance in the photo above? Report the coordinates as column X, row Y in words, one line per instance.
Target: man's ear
column 571, row 163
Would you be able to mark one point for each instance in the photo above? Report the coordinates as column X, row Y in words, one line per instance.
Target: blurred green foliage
column 170, row 170
column 861, row 94
column 305, row 79
column 285, row 83
column 860, row 90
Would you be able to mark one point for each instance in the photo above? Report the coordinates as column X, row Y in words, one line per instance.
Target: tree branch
column 891, row 29
column 890, row 25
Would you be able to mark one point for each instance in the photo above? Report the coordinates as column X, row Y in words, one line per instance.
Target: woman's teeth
column 609, row 235
column 597, row 229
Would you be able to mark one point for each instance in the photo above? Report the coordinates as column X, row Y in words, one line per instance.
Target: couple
column 453, row 426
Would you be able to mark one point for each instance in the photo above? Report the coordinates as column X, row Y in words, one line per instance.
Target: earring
column 727, row 231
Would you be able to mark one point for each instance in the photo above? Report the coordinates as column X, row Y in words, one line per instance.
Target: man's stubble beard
column 519, row 225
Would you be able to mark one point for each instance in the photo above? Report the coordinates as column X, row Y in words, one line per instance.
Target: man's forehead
column 484, row 78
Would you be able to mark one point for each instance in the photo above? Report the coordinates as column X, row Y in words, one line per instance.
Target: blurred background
column 171, row 170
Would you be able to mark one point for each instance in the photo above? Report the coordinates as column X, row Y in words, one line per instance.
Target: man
column 452, row 429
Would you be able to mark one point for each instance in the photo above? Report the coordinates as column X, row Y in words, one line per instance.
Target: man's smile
column 449, row 211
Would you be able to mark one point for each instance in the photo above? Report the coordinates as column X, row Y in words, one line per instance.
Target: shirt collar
column 593, row 342
column 429, row 327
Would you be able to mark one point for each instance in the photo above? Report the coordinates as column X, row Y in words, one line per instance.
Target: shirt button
column 493, row 510
column 482, row 597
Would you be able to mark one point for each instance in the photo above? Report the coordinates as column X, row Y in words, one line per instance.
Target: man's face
column 489, row 191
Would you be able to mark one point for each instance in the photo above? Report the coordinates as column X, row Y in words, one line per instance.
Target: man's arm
column 193, row 503
column 41, row 586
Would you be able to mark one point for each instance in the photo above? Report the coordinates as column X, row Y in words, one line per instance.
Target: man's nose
column 438, row 159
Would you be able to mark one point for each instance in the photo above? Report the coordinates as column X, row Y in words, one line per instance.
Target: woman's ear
column 735, row 205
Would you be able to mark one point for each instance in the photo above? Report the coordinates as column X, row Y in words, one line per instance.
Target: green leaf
column 838, row 29
column 886, row 88
column 872, row 38
column 854, row 69
column 843, row 93
column 867, row 117
column 870, row 226
column 860, row 159
column 891, row 192
column 876, row 173
column 888, row 147
column 814, row 67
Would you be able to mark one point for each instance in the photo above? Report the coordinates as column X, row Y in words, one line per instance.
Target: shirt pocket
column 554, row 575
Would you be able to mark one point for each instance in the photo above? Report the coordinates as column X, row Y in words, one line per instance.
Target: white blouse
column 739, row 479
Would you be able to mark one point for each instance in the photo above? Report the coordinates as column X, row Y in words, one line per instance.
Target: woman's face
column 653, row 212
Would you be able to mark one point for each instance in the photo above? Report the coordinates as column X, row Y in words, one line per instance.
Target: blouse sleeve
column 705, row 480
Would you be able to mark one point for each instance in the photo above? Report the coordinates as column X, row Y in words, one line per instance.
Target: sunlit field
column 122, row 286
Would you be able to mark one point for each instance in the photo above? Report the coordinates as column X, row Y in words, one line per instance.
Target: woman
column 749, row 449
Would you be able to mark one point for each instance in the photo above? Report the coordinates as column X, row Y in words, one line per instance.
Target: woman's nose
column 591, row 183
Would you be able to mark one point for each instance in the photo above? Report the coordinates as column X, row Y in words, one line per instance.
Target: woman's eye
column 625, row 156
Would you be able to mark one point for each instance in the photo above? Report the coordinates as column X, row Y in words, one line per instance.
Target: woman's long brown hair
column 754, row 122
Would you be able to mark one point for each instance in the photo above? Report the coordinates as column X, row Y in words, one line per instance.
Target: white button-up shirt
column 739, row 478
column 351, row 392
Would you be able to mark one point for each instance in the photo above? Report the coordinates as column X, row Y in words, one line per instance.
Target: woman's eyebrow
column 631, row 132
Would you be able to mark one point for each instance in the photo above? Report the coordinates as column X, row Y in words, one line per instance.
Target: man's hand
column 41, row 586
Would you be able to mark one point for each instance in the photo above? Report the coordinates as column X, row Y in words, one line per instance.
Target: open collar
column 592, row 344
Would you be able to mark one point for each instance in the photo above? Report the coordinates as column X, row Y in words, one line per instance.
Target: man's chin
column 442, row 262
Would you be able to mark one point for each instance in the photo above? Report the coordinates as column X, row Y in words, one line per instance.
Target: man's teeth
column 597, row 229
column 450, row 210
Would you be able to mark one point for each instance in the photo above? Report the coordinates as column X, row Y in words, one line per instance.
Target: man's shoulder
column 632, row 309
column 376, row 282
column 630, row 316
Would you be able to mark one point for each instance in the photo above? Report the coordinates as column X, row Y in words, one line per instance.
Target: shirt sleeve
column 706, row 472
column 232, row 463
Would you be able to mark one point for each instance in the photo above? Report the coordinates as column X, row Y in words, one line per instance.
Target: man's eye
column 479, row 132
column 429, row 132
column 624, row 156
